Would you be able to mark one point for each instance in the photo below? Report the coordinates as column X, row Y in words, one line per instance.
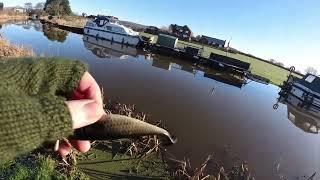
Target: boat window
column 310, row 78
column 117, row 29
column 101, row 22
column 89, row 24
column 109, row 28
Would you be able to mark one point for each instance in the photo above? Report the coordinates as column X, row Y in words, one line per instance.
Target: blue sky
column 285, row 30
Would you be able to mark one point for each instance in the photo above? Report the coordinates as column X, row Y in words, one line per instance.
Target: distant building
column 182, row 32
column 213, row 41
column 152, row 30
column 19, row 9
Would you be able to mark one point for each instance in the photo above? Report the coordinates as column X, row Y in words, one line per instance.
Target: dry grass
column 10, row 15
column 210, row 169
column 71, row 21
column 9, row 50
column 180, row 169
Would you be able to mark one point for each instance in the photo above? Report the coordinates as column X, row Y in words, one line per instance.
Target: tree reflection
column 54, row 34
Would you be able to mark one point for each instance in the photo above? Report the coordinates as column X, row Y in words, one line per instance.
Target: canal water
column 209, row 111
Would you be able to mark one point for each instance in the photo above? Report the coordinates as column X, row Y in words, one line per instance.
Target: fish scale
column 114, row 126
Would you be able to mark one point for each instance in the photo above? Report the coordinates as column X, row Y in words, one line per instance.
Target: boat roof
column 311, row 81
column 106, row 18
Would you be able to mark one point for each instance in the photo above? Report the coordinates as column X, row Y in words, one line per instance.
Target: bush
column 58, row 7
column 37, row 167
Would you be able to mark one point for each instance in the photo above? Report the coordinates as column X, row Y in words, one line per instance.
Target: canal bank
column 7, row 17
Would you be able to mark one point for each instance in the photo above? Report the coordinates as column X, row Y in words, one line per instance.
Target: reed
column 8, row 50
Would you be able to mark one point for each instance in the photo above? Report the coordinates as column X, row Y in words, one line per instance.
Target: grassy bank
column 9, row 15
column 106, row 159
column 71, row 21
column 276, row 74
column 10, row 50
column 38, row 166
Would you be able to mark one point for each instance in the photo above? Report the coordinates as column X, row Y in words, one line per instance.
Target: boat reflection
column 162, row 64
column 236, row 80
column 107, row 49
column 173, row 64
column 302, row 118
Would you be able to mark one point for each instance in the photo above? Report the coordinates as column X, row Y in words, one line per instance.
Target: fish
column 114, row 126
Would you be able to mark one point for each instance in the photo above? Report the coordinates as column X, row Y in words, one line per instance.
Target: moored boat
column 303, row 93
column 109, row 29
column 302, row 97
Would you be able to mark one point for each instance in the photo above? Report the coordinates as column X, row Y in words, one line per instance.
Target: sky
column 285, row 30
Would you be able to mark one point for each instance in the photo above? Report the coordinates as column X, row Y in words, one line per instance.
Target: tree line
column 51, row 7
column 57, row 7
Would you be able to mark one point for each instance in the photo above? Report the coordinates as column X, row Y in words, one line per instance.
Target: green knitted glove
column 42, row 75
column 32, row 102
column 26, row 122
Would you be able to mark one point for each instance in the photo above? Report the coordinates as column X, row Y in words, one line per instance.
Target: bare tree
column 272, row 60
column 279, row 64
column 164, row 28
column 311, row 70
column 28, row 6
column 39, row 6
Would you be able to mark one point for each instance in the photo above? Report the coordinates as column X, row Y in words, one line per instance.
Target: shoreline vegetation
column 9, row 15
column 8, row 50
column 71, row 21
column 264, row 68
column 123, row 159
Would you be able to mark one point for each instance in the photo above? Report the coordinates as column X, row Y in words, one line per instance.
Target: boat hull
column 112, row 36
column 301, row 99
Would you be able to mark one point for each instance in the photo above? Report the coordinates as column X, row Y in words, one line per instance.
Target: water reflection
column 107, row 49
column 54, row 34
column 236, row 80
column 36, row 25
column 303, row 118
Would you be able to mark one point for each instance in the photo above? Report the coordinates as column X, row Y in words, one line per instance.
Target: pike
column 114, row 126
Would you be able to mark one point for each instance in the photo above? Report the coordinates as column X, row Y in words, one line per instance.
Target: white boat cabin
column 109, row 29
